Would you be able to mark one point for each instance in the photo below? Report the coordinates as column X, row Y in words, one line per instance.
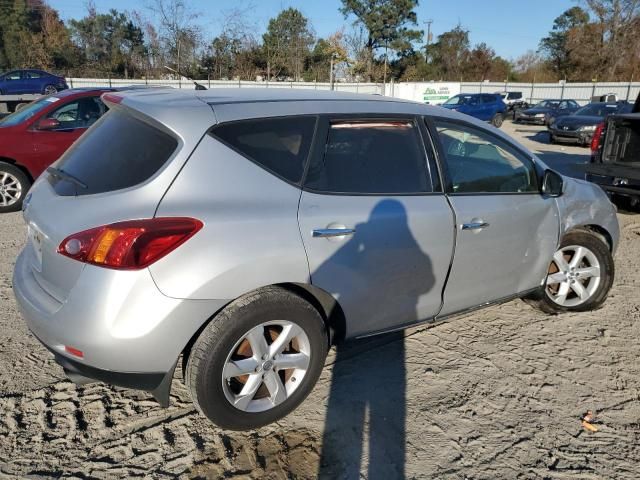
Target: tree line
column 597, row 40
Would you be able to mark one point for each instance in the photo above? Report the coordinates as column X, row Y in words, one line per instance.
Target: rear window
column 122, row 151
column 280, row 145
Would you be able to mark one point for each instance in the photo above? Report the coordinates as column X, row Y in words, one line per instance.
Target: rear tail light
column 130, row 245
column 597, row 137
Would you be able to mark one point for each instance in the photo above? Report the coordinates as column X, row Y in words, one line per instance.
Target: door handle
column 333, row 232
column 474, row 225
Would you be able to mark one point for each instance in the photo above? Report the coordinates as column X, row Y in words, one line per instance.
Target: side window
column 91, row 109
column 67, row 115
column 479, row 162
column 280, row 145
column 489, row 98
column 376, row 157
column 32, row 75
column 563, row 105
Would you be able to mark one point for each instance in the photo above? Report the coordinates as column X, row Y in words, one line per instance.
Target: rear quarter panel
column 250, row 236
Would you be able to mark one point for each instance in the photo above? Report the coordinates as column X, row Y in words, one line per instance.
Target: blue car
column 20, row 82
column 483, row 106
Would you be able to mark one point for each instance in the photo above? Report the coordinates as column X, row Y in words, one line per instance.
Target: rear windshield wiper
column 62, row 175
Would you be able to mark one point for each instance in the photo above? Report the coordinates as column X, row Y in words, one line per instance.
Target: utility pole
column 428, row 23
column 426, row 50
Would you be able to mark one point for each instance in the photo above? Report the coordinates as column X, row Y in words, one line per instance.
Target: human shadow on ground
column 367, row 399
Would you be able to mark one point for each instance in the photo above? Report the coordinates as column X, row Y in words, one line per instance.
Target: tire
column 14, row 185
column 552, row 138
column 226, row 336
column 497, row 120
column 596, row 287
column 49, row 90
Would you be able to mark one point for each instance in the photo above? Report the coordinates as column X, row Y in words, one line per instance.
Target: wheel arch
column 22, row 168
column 596, row 230
column 326, row 305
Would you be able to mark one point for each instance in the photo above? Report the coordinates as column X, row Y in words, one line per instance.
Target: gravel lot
column 493, row 394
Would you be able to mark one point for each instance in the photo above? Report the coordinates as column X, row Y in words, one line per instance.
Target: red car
column 35, row 136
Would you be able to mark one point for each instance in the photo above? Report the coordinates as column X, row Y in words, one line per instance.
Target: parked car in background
column 247, row 230
column 615, row 156
column 483, row 106
column 19, row 82
column 35, row 136
column 546, row 112
column 581, row 125
column 514, row 101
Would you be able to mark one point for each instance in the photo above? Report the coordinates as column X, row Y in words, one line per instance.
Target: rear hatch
column 117, row 171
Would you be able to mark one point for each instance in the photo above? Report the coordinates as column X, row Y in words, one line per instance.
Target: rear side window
column 122, row 151
column 486, row 98
column 371, row 157
column 280, row 145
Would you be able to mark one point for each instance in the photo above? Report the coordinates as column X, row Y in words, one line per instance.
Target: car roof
column 82, row 91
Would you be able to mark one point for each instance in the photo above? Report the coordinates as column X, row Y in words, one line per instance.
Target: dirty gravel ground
column 493, row 394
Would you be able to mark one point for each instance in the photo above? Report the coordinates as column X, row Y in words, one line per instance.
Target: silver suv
column 246, row 231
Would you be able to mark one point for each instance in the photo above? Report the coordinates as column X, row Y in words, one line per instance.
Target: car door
column 13, row 84
column 74, row 118
column 489, row 106
column 376, row 226
column 506, row 231
column 32, row 81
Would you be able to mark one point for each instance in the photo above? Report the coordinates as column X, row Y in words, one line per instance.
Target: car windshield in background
column 598, row 110
column 120, row 152
column 459, row 100
column 546, row 104
column 27, row 112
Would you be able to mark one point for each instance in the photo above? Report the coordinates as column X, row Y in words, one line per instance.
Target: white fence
column 418, row 91
column 581, row 92
column 376, row 88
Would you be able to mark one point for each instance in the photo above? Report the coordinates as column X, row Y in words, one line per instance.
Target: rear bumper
column 120, row 321
column 159, row 384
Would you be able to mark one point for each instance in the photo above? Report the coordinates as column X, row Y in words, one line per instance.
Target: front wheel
column 497, row 119
column 14, row 185
column 257, row 360
column 580, row 275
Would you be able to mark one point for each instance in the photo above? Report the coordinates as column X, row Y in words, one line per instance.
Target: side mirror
column 552, row 183
column 48, row 124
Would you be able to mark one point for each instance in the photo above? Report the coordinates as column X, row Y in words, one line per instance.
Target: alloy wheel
column 574, row 276
column 10, row 189
column 50, row 89
column 266, row 366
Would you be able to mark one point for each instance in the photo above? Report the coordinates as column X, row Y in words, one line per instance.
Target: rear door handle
column 474, row 225
column 333, row 232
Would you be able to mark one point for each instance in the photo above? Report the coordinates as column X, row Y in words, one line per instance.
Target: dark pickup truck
column 615, row 156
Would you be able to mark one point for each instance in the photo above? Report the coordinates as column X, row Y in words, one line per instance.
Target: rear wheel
column 14, row 185
column 257, row 360
column 497, row 119
column 580, row 275
column 49, row 90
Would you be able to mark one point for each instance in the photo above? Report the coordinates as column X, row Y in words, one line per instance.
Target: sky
column 510, row 27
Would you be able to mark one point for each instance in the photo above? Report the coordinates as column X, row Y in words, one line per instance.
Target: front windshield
column 597, row 110
column 546, row 104
column 27, row 112
column 459, row 100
